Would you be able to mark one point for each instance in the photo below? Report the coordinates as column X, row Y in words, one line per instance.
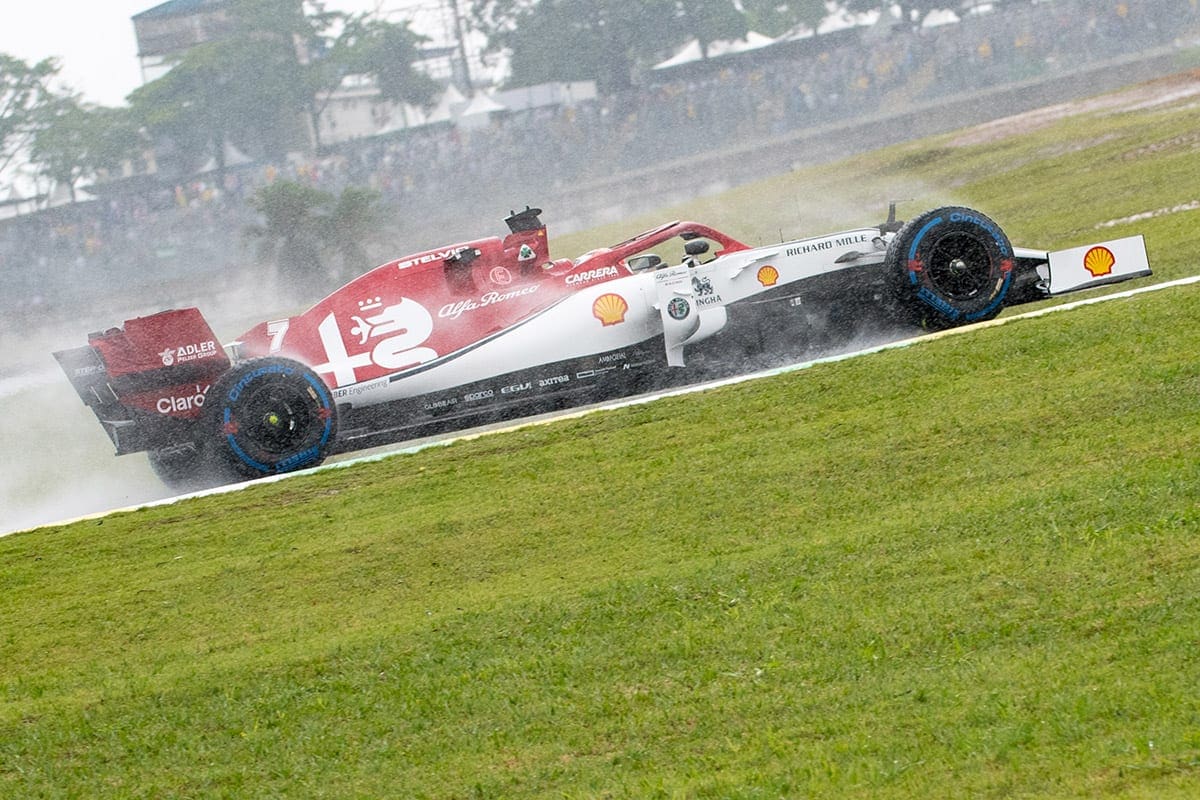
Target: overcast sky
column 93, row 39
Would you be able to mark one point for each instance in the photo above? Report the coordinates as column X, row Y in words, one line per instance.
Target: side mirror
column 892, row 225
column 644, row 263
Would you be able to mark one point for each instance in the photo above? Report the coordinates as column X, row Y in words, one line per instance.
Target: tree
column 60, row 142
column 72, row 141
column 24, row 91
column 278, row 62
column 353, row 220
column 288, row 232
column 911, row 11
column 609, row 40
column 301, row 224
column 387, row 52
column 570, row 40
column 331, row 60
column 365, row 45
column 184, row 114
column 247, row 88
column 709, row 21
column 775, row 18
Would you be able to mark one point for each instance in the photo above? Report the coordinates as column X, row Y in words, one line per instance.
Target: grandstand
column 740, row 117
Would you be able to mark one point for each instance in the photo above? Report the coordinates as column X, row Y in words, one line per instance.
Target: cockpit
column 694, row 248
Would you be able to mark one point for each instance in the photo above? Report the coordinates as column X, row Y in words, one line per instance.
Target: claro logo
column 179, row 405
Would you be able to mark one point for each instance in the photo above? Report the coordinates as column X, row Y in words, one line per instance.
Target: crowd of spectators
column 55, row 260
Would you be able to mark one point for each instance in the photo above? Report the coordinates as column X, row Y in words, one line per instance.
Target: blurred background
column 272, row 149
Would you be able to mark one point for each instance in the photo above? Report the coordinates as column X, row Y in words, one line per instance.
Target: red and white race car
column 496, row 328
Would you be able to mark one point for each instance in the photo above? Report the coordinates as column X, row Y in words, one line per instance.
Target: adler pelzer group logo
column 189, row 352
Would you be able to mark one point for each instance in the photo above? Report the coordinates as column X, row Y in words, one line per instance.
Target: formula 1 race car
column 496, row 328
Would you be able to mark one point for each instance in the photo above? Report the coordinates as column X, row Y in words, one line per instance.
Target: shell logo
column 1099, row 261
column 768, row 276
column 610, row 309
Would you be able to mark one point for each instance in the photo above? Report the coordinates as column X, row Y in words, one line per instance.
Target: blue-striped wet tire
column 267, row 416
column 951, row 266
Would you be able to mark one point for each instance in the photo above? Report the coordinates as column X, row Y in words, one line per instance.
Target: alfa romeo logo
column 678, row 308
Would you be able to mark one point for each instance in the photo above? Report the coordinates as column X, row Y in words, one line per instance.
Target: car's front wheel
column 950, row 266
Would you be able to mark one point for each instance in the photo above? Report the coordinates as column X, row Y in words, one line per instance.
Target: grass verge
column 963, row 569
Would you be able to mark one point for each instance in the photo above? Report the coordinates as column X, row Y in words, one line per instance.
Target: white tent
column 753, row 41
column 10, row 206
column 939, row 17
column 561, row 94
column 60, row 195
column 233, row 158
column 402, row 118
column 692, row 51
column 479, row 111
column 840, row 20
column 14, row 203
column 448, row 106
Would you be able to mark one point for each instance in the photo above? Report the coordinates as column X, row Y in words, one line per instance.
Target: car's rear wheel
column 950, row 266
column 180, row 468
column 267, row 416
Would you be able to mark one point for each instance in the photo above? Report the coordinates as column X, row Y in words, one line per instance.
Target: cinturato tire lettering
column 276, row 415
column 950, row 266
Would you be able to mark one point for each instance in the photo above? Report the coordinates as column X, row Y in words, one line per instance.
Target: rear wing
column 146, row 381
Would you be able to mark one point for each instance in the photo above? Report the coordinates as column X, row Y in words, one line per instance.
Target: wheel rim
column 275, row 418
column 959, row 266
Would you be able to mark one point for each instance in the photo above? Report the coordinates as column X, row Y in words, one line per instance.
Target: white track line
column 632, row 401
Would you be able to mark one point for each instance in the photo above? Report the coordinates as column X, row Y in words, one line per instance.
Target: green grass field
column 965, row 569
